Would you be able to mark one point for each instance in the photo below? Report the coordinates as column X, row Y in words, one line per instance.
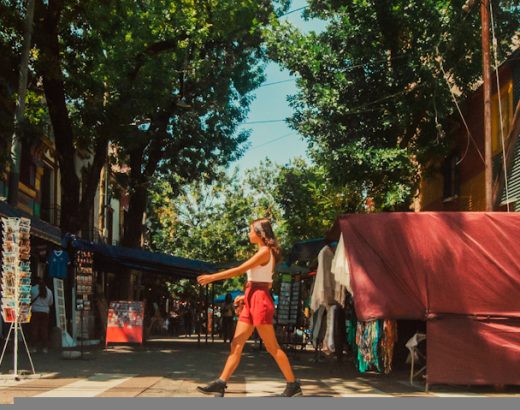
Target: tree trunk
column 133, row 223
column 73, row 213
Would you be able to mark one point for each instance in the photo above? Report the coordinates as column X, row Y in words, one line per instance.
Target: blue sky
column 275, row 139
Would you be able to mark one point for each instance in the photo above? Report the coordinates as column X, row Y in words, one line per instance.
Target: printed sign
column 125, row 322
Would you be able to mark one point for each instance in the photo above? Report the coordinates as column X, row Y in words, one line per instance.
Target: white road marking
column 91, row 387
column 263, row 388
column 353, row 388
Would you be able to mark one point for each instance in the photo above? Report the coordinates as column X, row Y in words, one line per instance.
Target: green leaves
column 371, row 92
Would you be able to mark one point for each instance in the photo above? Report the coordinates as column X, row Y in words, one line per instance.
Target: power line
column 277, row 82
column 262, row 122
column 273, row 140
column 292, row 11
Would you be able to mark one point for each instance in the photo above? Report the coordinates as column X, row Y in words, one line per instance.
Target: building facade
column 457, row 184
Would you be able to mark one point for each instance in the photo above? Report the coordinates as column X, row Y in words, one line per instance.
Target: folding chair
column 412, row 345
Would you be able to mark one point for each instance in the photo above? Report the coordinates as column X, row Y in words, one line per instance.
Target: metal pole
column 213, row 314
column 486, row 76
column 207, row 311
column 197, row 315
column 16, row 145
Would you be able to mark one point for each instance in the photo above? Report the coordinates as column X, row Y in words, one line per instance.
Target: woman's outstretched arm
column 259, row 258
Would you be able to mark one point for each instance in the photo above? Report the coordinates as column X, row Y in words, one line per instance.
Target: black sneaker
column 216, row 388
column 292, row 390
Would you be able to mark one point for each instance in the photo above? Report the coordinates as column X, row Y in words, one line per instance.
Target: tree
column 34, row 123
column 310, row 202
column 166, row 82
column 372, row 98
column 211, row 222
column 125, row 71
column 208, row 222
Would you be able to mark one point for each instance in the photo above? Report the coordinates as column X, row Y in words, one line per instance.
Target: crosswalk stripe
column 353, row 388
column 133, row 387
column 263, row 388
column 91, row 387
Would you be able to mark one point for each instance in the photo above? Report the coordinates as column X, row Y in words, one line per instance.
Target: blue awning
column 234, row 294
column 117, row 258
column 222, row 298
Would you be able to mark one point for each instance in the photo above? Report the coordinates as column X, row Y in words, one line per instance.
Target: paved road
column 175, row 368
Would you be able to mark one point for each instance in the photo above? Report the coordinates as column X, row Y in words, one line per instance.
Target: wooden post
column 486, row 76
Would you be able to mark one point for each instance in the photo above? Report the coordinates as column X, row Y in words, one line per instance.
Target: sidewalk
column 174, row 367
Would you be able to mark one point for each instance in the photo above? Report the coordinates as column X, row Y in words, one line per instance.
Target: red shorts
column 258, row 307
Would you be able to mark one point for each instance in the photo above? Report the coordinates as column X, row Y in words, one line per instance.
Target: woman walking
column 41, row 301
column 258, row 310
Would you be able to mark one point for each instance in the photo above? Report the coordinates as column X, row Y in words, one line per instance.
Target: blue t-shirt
column 58, row 263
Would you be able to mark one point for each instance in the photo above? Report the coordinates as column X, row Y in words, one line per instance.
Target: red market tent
column 460, row 271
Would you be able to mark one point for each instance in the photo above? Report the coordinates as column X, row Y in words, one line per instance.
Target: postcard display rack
column 289, row 310
column 84, row 262
column 16, row 282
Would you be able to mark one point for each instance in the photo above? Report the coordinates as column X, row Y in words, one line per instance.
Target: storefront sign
column 125, row 322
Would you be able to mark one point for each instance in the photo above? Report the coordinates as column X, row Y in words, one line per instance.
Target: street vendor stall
column 458, row 271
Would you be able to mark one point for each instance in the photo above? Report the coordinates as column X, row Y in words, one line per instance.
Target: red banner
column 125, row 322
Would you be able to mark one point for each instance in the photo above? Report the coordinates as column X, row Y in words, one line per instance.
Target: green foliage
column 372, row 98
column 211, row 222
column 34, row 126
column 310, row 201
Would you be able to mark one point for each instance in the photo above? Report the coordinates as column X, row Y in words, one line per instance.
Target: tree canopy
column 372, row 98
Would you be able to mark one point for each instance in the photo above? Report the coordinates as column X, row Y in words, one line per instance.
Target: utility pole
column 486, row 76
column 16, row 144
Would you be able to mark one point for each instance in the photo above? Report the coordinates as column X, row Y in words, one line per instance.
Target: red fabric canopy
column 409, row 265
column 436, row 264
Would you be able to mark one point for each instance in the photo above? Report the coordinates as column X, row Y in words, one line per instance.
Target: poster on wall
column 125, row 322
column 16, row 270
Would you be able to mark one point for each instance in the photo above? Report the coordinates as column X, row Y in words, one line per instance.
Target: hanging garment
column 58, row 264
column 350, row 310
column 340, row 268
column 328, row 341
column 340, row 293
column 340, row 331
column 367, row 340
column 388, row 339
column 319, row 318
column 324, row 284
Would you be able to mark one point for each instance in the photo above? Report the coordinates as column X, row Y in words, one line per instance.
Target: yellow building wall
column 473, row 194
column 506, row 98
column 431, row 190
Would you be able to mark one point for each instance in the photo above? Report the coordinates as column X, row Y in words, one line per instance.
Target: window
column 27, row 167
column 451, row 178
column 506, row 100
column 47, row 194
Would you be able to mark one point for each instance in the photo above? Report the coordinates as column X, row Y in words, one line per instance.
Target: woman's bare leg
column 242, row 334
column 268, row 336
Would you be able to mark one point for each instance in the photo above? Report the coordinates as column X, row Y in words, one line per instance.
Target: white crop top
column 261, row 273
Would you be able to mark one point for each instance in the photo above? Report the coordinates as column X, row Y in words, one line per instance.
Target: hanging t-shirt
column 58, row 264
